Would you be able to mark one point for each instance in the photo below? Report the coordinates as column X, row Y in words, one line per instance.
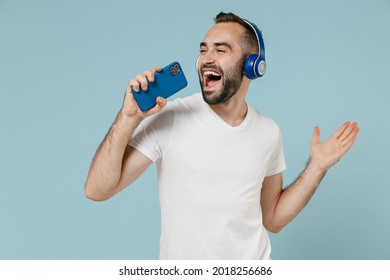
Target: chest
column 226, row 156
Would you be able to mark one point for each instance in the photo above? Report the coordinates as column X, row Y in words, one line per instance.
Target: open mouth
column 211, row 79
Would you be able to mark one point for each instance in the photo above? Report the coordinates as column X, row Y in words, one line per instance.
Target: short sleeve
column 153, row 134
column 278, row 164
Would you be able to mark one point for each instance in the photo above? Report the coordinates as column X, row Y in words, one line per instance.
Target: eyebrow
column 217, row 44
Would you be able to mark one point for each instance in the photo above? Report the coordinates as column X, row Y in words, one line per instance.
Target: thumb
column 161, row 102
column 316, row 135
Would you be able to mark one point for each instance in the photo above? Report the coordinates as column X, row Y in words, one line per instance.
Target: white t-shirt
column 210, row 176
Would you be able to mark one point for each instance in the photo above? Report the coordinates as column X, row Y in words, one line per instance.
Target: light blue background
column 64, row 66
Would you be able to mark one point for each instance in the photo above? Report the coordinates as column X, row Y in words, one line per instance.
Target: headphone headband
column 257, row 33
column 255, row 64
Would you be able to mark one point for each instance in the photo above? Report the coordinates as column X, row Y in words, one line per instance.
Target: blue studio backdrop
column 64, row 66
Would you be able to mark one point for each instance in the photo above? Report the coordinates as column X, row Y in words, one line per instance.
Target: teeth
column 211, row 73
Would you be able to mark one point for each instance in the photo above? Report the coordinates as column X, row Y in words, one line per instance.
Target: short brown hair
column 249, row 42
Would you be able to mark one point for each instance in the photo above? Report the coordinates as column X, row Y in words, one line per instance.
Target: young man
column 219, row 161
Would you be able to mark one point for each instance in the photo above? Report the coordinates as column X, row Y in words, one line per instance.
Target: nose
column 206, row 59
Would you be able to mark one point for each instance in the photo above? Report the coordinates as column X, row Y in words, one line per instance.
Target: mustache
column 211, row 66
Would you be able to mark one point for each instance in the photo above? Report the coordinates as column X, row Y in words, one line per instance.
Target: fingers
column 157, row 69
column 348, row 141
column 141, row 80
column 346, row 136
column 349, row 144
column 341, row 130
column 348, row 131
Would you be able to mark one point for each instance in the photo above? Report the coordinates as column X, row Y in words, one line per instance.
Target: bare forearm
column 295, row 197
column 106, row 166
column 281, row 206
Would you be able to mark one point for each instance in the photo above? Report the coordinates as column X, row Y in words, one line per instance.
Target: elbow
column 272, row 227
column 92, row 193
column 94, row 197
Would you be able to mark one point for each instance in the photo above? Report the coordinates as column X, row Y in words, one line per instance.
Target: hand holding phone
column 168, row 81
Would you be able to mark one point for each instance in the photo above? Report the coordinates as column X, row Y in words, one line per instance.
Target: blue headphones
column 254, row 66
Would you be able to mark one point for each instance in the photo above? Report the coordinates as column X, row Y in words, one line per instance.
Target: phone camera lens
column 174, row 69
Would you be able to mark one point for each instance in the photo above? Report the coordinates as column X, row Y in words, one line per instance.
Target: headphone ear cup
column 197, row 64
column 249, row 67
column 259, row 67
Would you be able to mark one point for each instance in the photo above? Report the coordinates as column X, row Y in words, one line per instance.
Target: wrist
column 316, row 168
column 130, row 121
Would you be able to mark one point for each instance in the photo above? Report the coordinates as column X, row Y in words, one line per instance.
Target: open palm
column 326, row 154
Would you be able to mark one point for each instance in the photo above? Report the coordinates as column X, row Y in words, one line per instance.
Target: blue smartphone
column 167, row 82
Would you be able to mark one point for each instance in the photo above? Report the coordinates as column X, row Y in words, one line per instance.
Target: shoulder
column 186, row 102
column 187, row 106
column 162, row 118
column 264, row 121
column 173, row 109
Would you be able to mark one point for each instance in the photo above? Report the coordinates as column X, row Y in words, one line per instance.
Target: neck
column 231, row 112
column 234, row 110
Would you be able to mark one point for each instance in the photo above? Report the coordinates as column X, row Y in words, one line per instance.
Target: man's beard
column 230, row 84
